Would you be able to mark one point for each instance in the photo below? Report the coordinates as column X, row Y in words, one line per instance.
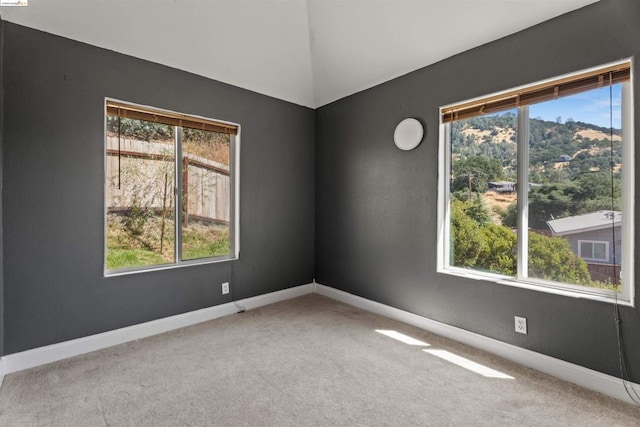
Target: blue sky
column 589, row 107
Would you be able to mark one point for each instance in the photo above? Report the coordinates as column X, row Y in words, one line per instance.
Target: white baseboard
column 273, row 297
column 52, row 353
column 588, row 378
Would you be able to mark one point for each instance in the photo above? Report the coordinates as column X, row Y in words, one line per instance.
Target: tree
column 468, row 240
column 552, row 258
column 595, row 186
column 478, row 243
column 492, row 247
column 139, row 129
column 510, row 216
column 477, row 211
column 474, row 172
column 499, row 254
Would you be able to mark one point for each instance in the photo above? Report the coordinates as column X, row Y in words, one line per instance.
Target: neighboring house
column 592, row 236
column 507, row 186
column 564, row 158
column 502, row 186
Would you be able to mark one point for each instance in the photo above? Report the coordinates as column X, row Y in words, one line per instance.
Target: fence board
column 143, row 166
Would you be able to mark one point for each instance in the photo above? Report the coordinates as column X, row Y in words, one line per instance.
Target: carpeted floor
column 306, row 361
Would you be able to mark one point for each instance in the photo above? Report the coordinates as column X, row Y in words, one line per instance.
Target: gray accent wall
column 376, row 216
column 54, row 91
column 1, row 174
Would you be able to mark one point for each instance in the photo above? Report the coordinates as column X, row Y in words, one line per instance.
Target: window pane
column 482, row 189
column 574, row 163
column 206, row 194
column 600, row 251
column 139, row 193
column 586, row 250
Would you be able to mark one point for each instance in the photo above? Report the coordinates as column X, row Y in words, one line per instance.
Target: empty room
column 318, row 212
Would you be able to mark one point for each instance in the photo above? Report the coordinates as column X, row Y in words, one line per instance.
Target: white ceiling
column 309, row 52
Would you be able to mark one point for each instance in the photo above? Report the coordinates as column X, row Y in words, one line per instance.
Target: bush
column 484, row 246
column 552, row 258
column 468, row 240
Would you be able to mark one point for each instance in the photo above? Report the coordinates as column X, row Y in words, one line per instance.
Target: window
column 593, row 251
column 537, row 186
column 151, row 156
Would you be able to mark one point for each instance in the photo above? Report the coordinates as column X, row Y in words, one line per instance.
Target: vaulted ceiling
column 309, row 52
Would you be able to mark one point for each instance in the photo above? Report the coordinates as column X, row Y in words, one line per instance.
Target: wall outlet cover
column 521, row 324
column 225, row 288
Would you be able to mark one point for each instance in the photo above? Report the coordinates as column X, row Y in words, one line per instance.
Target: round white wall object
column 408, row 134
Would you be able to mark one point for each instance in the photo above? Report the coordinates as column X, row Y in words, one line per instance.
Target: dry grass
column 560, row 165
column 595, row 134
column 498, row 203
column 503, row 134
column 216, row 149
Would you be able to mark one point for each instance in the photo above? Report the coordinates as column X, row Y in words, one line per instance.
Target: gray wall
column 54, row 91
column 377, row 206
column 1, row 174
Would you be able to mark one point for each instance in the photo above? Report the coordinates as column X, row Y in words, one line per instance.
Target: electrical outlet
column 521, row 325
column 225, row 288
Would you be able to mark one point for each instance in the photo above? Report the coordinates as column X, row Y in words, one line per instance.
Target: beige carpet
column 306, row 361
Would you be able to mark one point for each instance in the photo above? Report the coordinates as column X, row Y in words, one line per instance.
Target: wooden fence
column 140, row 174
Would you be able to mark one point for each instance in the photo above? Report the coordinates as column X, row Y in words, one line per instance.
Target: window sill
column 540, row 286
column 191, row 263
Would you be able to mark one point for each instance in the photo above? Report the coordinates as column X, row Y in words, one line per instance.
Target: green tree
column 510, row 216
column 492, row 247
column 474, row 172
column 499, row 254
column 549, row 202
column 477, row 242
column 596, row 186
column 139, row 129
column 477, row 211
column 468, row 240
column 552, row 258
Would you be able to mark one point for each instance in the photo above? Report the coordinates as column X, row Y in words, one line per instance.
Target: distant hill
column 556, row 148
column 572, row 167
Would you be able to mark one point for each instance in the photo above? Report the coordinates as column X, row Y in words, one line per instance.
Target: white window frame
column 234, row 176
column 593, row 251
column 521, row 280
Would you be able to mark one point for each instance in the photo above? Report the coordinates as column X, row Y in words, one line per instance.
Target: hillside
column 573, row 167
column 556, row 148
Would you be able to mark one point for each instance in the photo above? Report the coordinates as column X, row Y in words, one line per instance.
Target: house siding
column 604, row 235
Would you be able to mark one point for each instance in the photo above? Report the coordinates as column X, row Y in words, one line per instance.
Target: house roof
column 588, row 222
column 309, row 52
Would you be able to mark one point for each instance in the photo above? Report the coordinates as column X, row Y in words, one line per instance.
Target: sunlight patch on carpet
column 401, row 337
column 468, row 364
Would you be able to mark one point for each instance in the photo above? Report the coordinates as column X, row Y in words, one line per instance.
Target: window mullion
column 523, row 191
column 232, row 190
column 178, row 196
column 446, row 186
